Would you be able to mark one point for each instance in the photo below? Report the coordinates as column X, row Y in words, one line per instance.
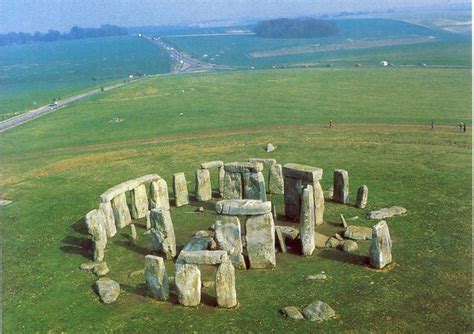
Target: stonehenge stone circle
column 254, row 186
column 159, row 197
column 275, row 180
column 387, row 212
column 197, row 243
column 318, row 311
column 243, row 207
column 232, row 186
column 203, row 185
column 225, row 285
column 281, row 239
column 381, row 246
column 362, row 195
column 110, row 227
column 307, row 221
column 156, row 277
column 162, row 232
column 180, row 189
column 358, row 232
column 121, row 213
column 95, row 222
column 260, row 237
column 108, row 290
column 228, row 236
column 139, row 202
column 244, row 180
column 203, row 257
column 341, row 186
column 188, row 284
column 211, row 164
column 220, row 168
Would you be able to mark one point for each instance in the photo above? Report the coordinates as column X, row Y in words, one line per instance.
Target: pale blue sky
column 31, row 15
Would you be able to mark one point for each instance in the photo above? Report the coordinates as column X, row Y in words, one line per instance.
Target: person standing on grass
column 331, row 123
column 432, row 125
column 464, row 127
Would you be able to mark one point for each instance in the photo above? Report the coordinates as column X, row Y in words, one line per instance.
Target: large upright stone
column 228, row 236
column 110, row 227
column 232, row 185
column 121, row 213
column 254, row 186
column 221, row 176
column 203, row 185
column 180, row 189
column 156, row 277
column 341, row 186
column 139, row 202
column 292, row 197
column 303, row 172
column 162, row 232
column 260, row 236
column 381, row 246
column 318, row 203
column 159, row 197
column 95, row 222
column 307, row 221
column 225, row 285
column 362, row 195
column 275, row 180
column 188, row 284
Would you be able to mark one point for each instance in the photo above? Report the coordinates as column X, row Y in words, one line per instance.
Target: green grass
column 55, row 167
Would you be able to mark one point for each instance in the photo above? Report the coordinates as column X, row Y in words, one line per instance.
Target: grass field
column 41, row 72
column 55, row 167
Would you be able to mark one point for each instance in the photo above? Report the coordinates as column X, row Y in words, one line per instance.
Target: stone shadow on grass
column 79, row 246
column 134, row 247
column 139, row 290
column 345, row 257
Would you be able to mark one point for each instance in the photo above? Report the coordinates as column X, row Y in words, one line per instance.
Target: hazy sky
column 41, row 15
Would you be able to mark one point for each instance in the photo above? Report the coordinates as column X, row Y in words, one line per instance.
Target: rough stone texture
column 387, row 212
column 228, row 236
column 381, row 246
column 180, row 189
column 108, row 290
column 211, row 164
column 245, row 207
column 133, row 233
column 341, row 186
column 121, row 214
column 95, row 222
column 289, row 232
column 137, row 273
column 203, row 185
column 197, row 244
column 254, row 186
column 281, row 239
column 292, row 197
column 349, row 246
column 225, row 285
column 88, row 266
column 318, row 203
column 156, row 277
column 270, row 148
column 333, row 243
column 110, row 193
column 307, row 222
column 162, row 232
column 362, row 195
column 201, row 233
column 318, row 311
column 243, row 167
column 358, row 233
column 343, row 221
column 303, row 172
column 338, row 237
column 275, row 180
column 328, row 194
column 188, row 284
column 159, row 197
column 148, row 221
column 139, row 202
column 260, row 237
column 203, row 257
column 292, row 312
column 148, row 178
column 110, row 227
column 221, row 176
column 232, row 185
column 101, row 269
column 320, row 240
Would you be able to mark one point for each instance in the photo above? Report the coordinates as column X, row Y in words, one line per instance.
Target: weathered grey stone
column 338, row 237
column 208, row 284
column 318, row 311
column 317, row 277
column 243, row 167
column 95, row 222
column 133, row 233
column 188, row 284
column 197, row 244
column 211, row 164
column 387, row 212
column 180, row 189
column 307, row 222
column 349, row 246
column 201, row 233
column 108, row 290
column 221, row 176
column 232, row 185
column 270, row 148
column 101, row 269
column 260, row 237
column 328, row 194
column 148, row 178
column 292, row 312
column 302, row 172
column 108, row 212
column 289, row 232
column 162, row 232
column 243, row 207
column 333, row 243
column 293, row 189
column 113, row 192
column 265, row 162
column 343, row 221
column 358, row 232
column 88, row 266
column 228, row 236
column 320, row 240
column 156, row 277
column 121, row 213
column 203, row 257
column 381, row 246
column 281, row 239
column 341, row 186
column 225, row 285
column 148, row 221
column 275, row 180
column 362, row 195
column 254, row 186
column 318, row 203
column 159, row 197
column 203, row 185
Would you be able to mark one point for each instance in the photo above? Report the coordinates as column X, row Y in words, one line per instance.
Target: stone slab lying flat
column 211, row 164
column 243, row 207
column 358, row 233
column 387, row 212
column 303, row 172
column 243, row 167
column 203, row 257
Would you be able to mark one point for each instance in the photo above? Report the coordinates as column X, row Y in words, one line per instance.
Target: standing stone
column 156, row 277
column 228, row 236
column 281, row 239
column 362, row 195
column 225, row 285
column 95, row 222
column 188, row 284
column 275, row 180
column 110, row 227
column 318, row 203
column 139, row 202
column 254, row 186
column 159, row 195
column 148, row 221
column 203, row 185
column 180, row 189
column 292, row 197
column 307, row 221
column 232, row 185
column 162, row 232
column 341, row 186
column 121, row 214
column 260, row 237
column 221, row 172
column 381, row 246
column 133, row 234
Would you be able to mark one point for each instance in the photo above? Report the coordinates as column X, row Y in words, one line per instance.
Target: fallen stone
column 203, row 257
column 159, row 197
column 281, row 239
column 338, row 237
column 302, row 172
column 358, row 233
column 289, row 232
column 349, row 246
column 139, row 201
column 387, row 212
column 208, row 284
column 317, row 277
column 101, row 269
column 307, row 221
column 4, row 202
column 197, row 244
column 318, row 311
column 354, row 218
column 260, row 239
column 343, row 221
column 381, row 246
column 203, row 185
column 243, row 207
column 108, row 290
column 228, row 236
column 275, row 180
column 121, row 213
column 232, row 186
column 292, row 312
column 243, row 167
column 136, row 273
column 341, row 186
column 270, row 148
column 254, row 186
column 162, row 232
column 225, row 285
column 156, row 277
column 211, row 164
column 110, row 227
column 88, row 266
column 362, row 195
column 188, row 284
column 320, row 240
column 333, row 243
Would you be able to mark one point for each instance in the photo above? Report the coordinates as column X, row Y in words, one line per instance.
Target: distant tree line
column 54, row 35
column 296, row 28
